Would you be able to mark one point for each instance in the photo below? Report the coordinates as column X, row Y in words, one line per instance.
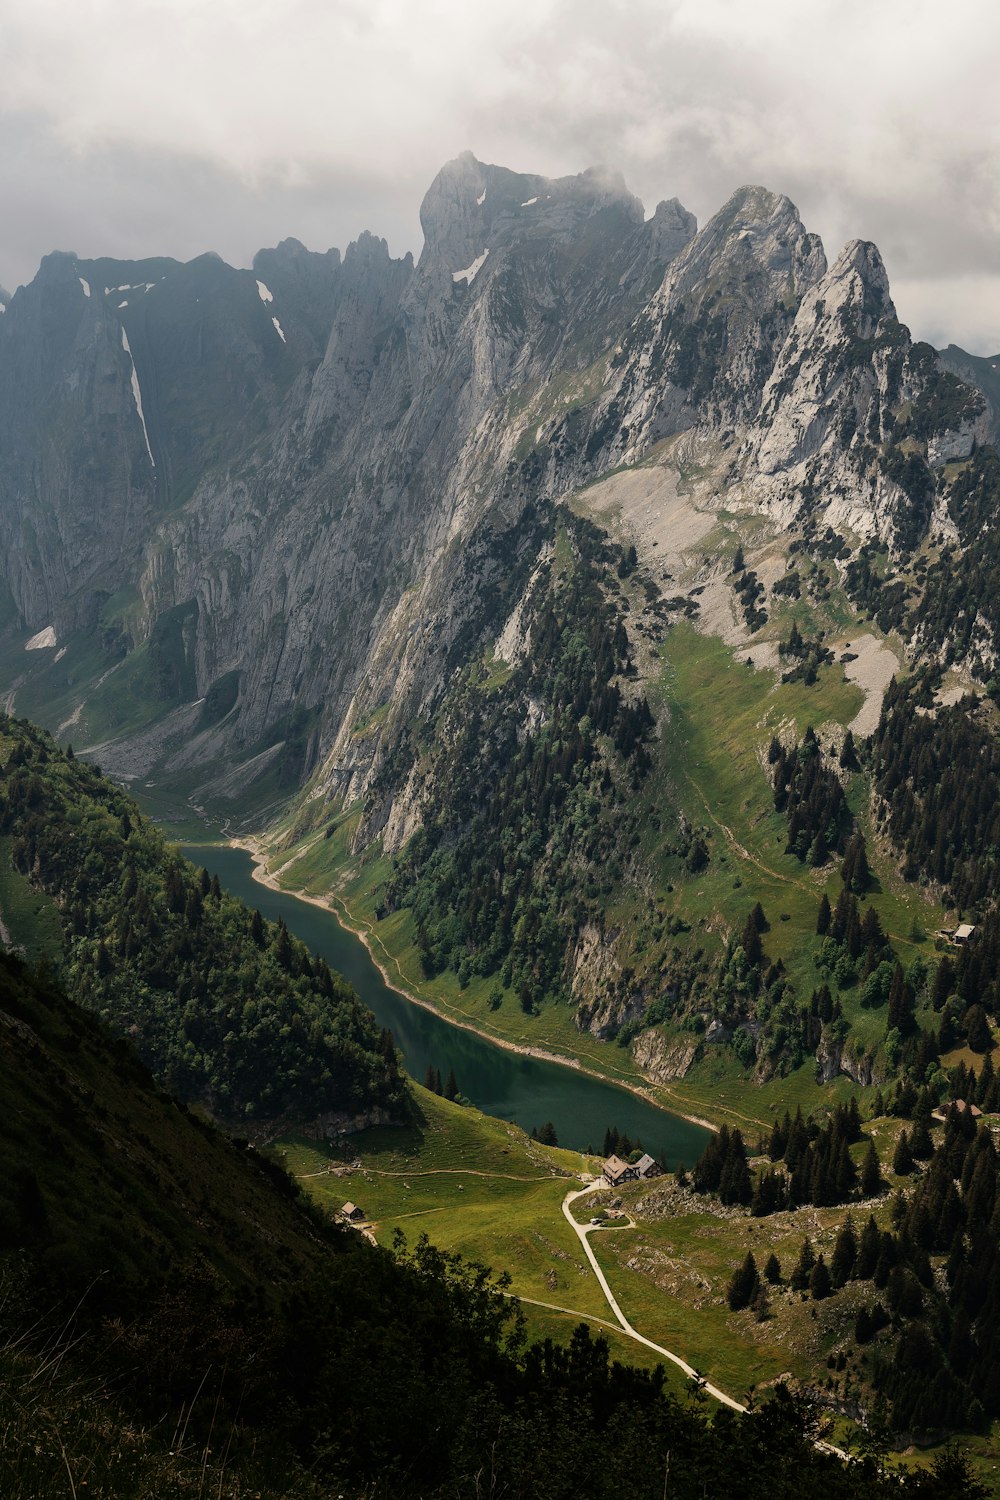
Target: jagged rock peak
column 472, row 203
column 370, row 249
column 671, row 228
column 292, row 252
column 58, row 265
column 768, row 225
column 861, row 259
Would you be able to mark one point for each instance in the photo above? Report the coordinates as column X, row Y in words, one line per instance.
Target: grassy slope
column 478, row 1186
column 458, row 1176
column 471, row 1183
column 720, row 716
column 125, row 1174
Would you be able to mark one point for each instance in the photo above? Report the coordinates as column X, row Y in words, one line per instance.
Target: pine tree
column 854, row 871
column 799, row 1279
column 761, row 1303
column 823, row 915
column 845, row 1253
column 751, row 942
column 848, row 754
column 819, row 1281
column 871, row 1182
column 772, row 1269
column 451, row 1086
column 743, row 1284
column 735, row 1182
column 779, row 1137
column 902, row 1161
column 977, row 1029
column 869, row 1250
column 921, row 1144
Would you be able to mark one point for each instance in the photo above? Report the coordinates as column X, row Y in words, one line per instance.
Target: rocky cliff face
column 294, row 491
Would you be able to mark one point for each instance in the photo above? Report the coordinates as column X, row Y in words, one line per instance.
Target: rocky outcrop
column 664, row 1058
column 307, row 490
column 836, row 1057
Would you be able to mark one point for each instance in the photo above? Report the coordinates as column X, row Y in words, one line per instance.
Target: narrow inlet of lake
column 507, row 1084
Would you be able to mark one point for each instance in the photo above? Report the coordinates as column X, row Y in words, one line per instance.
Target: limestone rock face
column 706, row 342
column 984, row 374
column 304, row 493
column 828, row 395
column 663, row 1059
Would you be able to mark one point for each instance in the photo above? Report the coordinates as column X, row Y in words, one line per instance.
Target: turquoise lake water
column 526, row 1090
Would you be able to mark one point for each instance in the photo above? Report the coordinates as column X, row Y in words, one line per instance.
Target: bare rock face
column 304, row 493
column 984, row 374
column 664, row 1059
column 830, row 391
column 835, row 1058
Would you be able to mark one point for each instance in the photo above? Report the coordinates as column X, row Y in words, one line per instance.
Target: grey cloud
column 181, row 125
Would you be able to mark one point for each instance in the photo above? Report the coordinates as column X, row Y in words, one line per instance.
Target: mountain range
column 349, row 534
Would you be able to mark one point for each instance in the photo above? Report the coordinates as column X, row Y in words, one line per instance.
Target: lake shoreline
column 338, row 909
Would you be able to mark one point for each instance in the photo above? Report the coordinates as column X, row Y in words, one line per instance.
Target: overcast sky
column 140, row 127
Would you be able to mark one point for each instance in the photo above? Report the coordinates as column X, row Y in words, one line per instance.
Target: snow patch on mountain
column 137, row 396
column 471, row 272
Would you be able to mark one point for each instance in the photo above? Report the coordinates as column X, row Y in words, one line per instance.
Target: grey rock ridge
column 253, row 521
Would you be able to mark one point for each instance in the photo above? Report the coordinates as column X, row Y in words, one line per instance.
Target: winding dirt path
column 583, row 1232
column 739, row 848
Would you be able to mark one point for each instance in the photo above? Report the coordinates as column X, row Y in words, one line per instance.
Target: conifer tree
column 779, row 1137
column 799, row 1279
column 761, row 1304
column 845, row 1253
column 772, row 1269
column 823, row 915
column 977, row 1029
column 902, row 1161
column 921, row 1144
column 854, row 871
column 751, row 943
column 743, row 1284
column 869, row 1250
column 848, row 754
column 819, row 1280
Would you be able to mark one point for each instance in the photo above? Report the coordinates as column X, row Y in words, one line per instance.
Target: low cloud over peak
column 182, row 125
